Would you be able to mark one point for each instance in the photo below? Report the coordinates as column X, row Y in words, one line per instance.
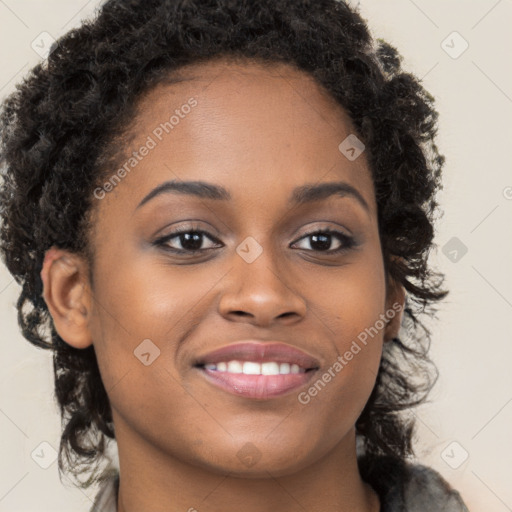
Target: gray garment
column 406, row 487
column 427, row 491
column 106, row 499
column 401, row 488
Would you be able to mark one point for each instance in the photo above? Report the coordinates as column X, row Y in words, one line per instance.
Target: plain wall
column 471, row 405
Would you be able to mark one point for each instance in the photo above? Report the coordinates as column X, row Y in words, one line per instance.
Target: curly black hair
column 68, row 116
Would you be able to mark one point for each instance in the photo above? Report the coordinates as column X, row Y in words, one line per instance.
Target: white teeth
column 284, row 368
column 253, row 368
column 235, row 367
column 270, row 368
column 294, row 368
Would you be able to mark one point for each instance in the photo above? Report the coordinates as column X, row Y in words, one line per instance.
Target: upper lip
column 259, row 352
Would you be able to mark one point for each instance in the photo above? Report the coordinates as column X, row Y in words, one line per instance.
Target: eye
column 321, row 241
column 191, row 240
column 188, row 241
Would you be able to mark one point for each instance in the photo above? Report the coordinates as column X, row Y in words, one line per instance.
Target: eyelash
column 347, row 241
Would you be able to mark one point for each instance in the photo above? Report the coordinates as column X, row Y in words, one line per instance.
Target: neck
column 151, row 480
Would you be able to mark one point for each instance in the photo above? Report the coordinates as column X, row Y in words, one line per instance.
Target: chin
column 250, row 462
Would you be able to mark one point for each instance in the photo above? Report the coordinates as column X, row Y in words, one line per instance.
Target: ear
column 67, row 294
column 395, row 304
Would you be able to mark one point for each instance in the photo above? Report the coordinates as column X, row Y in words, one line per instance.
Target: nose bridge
column 259, row 286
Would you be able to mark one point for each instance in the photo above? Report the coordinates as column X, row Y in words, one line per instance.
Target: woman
column 220, row 214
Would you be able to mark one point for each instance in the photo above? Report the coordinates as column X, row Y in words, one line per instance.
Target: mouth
column 258, row 370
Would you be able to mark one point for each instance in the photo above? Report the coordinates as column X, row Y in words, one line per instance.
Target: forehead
column 246, row 94
column 257, row 129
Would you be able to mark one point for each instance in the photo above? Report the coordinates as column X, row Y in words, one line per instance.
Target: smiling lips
column 258, row 370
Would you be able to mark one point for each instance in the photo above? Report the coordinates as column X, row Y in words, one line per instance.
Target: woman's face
column 259, row 274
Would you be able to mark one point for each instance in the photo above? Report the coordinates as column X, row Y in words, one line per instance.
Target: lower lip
column 259, row 387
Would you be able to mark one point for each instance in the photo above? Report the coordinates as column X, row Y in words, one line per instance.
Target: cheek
column 349, row 299
column 144, row 313
column 148, row 299
column 349, row 306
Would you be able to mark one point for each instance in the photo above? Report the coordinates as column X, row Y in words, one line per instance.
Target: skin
column 259, row 131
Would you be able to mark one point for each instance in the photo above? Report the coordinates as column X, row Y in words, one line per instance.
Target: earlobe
column 67, row 295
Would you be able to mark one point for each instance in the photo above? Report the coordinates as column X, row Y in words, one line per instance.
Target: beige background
column 471, row 405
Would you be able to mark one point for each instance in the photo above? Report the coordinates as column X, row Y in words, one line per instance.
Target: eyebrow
column 300, row 195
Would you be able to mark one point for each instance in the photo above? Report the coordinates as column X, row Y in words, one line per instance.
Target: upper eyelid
column 189, row 229
column 337, row 231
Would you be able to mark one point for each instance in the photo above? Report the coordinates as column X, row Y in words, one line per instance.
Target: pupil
column 191, row 241
column 324, row 241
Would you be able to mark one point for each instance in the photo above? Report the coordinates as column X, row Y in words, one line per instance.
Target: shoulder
column 427, row 490
column 404, row 486
column 424, row 484
column 401, row 486
column 106, row 498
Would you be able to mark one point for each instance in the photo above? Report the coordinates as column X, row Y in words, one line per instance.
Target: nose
column 261, row 293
